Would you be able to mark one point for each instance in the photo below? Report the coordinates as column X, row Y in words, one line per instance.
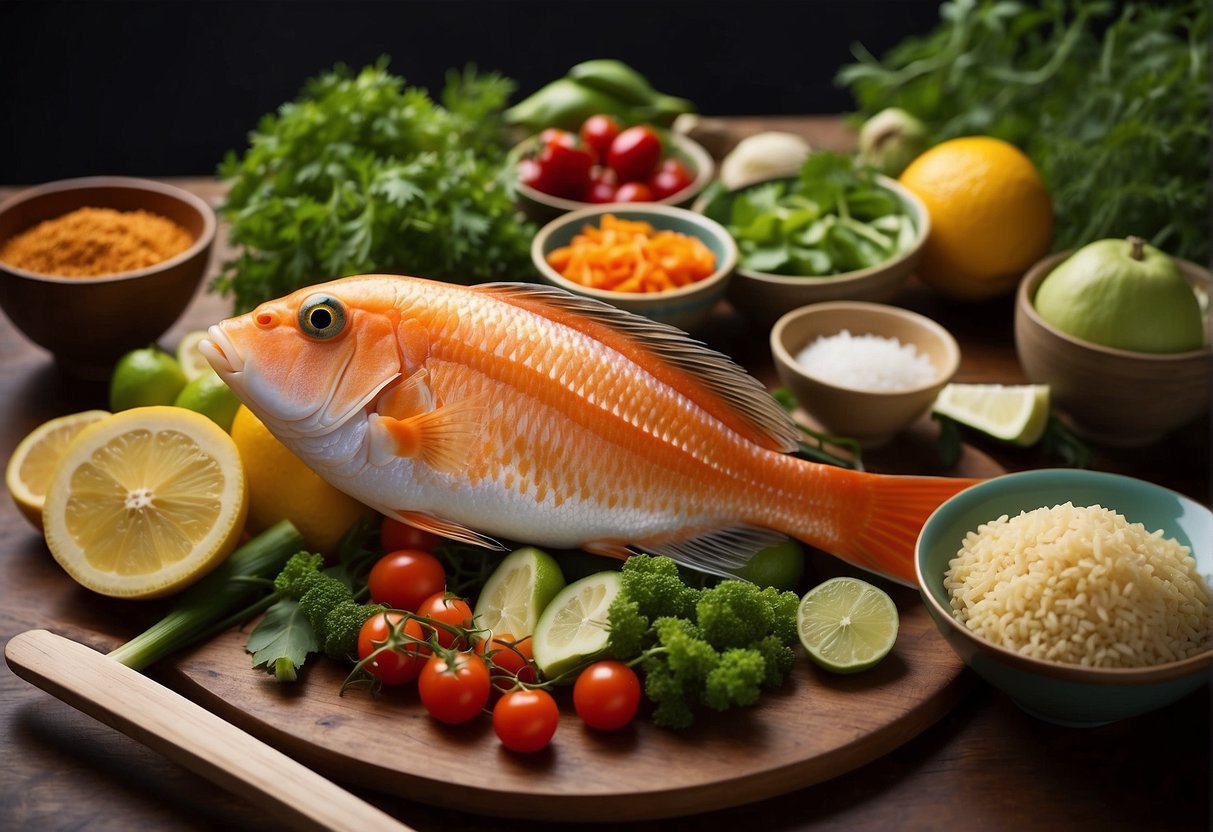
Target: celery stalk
column 236, row 589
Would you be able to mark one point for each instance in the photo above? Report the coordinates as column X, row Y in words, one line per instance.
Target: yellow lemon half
column 36, row 457
column 991, row 216
column 281, row 486
column 146, row 502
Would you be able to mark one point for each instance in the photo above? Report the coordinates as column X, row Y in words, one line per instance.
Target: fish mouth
column 219, row 351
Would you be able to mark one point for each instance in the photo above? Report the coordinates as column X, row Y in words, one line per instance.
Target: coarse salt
column 866, row 362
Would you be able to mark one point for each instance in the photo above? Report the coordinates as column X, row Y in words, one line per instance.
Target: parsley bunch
column 364, row 174
column 1110, row 100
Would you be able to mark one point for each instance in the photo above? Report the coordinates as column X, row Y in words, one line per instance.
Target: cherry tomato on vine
column 508, row 660
column 404, row 578
column 606, row 695
column 598, row 131
column 396, row 666
column 448, row 610
column 525, row 720
column 454, row 689
column 670, row 178
column 635, row 153
column 634, row 192
column 394, row 535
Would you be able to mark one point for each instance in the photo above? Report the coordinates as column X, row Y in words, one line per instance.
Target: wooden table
column 984, row 766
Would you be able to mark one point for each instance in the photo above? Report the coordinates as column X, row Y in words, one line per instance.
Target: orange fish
column 528, row 413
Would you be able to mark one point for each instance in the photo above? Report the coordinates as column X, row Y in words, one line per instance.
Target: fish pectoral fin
column 410, row 397
column 720, row 551
column 447, row 528
column 443, row 438
column 609, row 549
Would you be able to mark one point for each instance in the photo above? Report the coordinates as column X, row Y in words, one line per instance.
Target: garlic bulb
column 763, row 156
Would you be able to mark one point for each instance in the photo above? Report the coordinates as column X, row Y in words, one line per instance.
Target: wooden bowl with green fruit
column 1120, row 333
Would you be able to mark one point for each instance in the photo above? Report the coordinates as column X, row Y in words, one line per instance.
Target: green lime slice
column 193, row 362
column 517, row 592
column 573, row 628
column 1016, row 413
column 847, row 625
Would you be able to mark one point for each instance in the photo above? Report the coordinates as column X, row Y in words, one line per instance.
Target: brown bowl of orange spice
column 91, row 268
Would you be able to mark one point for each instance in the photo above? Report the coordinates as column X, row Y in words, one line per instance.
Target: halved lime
column 573, row 628
column 847, row 625
column 193, row 362
column 1015, row 413
column 517, row 592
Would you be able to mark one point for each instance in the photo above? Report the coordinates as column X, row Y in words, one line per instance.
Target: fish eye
column 321, row 317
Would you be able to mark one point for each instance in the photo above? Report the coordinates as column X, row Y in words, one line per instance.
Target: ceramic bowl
column 688, row 307
column 762, row 297
column 1113, row 397
column 88, row 323
column 1064, row 693
column 870, row 416
column 541, row 207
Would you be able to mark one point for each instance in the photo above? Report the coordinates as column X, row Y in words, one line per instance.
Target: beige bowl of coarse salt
column 862, row 370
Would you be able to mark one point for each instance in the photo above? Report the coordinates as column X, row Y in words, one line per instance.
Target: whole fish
column 529, row 413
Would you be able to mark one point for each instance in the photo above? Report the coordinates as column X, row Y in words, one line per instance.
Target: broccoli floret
column 299, row 574
column 341, row 626
column 736, row 679
column 630, row 632
column 687, row 654
column 778, row 658
column 733, row 614
column 668, row 693
column 324, row 594
column 654, row 584
column 783, row 614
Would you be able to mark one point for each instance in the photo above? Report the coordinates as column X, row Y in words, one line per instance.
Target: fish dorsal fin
column 711, row 380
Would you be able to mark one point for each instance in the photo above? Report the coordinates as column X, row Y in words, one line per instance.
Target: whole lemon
column 281, row 486
column 991, row 216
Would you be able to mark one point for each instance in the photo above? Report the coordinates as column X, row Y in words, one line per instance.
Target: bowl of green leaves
column 833, row 231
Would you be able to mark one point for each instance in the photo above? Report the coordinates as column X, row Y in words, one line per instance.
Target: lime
column 519, row 589
column 573, row 627
column 780, row 566
column 193, row 362
column 846, row 624
column 209, row 395
column 142, row 377
column 1016, row 413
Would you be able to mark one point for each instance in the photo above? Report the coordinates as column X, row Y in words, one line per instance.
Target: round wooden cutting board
column 817, row 726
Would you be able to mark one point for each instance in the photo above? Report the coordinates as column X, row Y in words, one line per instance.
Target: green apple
column 1122, row 294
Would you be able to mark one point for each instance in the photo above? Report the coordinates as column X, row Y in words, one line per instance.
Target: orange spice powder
column 90, row 242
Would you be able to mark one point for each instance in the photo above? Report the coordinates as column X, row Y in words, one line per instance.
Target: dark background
column 166, row 88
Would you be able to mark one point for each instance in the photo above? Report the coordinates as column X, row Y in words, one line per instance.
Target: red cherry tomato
column 635, row 153
column 394, row 535
column 448, row 610
column 670, row 178
column 525, row 720
column 396, row 666
column 454, row 690
column 634, row 192
column 603, row 185
column 606, row 695
column 598, row 131
column 565, row 168
column 406, row 577
column 508, row 660
column 554, row 135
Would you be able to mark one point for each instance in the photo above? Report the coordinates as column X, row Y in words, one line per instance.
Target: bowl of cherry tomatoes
column 606, row 161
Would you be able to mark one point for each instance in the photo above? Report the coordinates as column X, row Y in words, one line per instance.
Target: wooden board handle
column 183, row 731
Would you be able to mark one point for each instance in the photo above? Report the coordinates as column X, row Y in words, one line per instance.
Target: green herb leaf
column 283, row 634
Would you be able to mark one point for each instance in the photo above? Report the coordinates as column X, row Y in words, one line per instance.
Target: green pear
column 1122, row 294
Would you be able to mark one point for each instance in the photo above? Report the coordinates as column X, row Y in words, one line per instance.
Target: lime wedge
column 1014, row 413
column 573, row 628
column 516, row 593
column 847, row 625
column 191, row 359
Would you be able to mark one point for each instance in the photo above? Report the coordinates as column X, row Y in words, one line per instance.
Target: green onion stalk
column 237, row 589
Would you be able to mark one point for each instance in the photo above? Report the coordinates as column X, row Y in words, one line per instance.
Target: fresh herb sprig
column 1110, row 100
column 364, row 174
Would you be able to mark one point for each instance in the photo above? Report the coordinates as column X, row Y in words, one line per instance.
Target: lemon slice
column 573, row 627
column 193, row 362
column 847, row 625
column 145, row 502
column 1016, row 413
column 35, row 458
column 518, row 591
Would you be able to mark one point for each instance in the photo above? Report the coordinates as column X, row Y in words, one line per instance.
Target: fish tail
column 878, row 529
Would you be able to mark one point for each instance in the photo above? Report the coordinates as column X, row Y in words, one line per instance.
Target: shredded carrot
column 632, row 256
